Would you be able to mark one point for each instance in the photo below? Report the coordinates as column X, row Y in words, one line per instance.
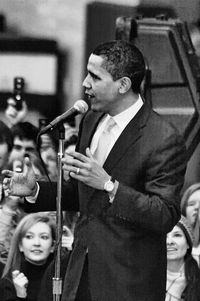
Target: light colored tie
column 104, row 142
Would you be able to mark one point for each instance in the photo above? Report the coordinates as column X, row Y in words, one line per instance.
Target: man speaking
column 125, row 179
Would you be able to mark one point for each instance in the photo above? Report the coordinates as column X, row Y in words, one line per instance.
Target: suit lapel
column 128, row 137
column 90, row 126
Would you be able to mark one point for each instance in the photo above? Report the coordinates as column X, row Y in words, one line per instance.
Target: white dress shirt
column 122, row 119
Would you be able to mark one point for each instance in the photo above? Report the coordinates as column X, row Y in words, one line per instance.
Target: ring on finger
column 78, row 171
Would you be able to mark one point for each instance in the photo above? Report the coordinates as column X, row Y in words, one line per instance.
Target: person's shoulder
column 163, row 133
column 164, row 124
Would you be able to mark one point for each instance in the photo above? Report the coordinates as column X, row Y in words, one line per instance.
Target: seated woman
column 190, row 205
column 30, row 253
column 183, row 274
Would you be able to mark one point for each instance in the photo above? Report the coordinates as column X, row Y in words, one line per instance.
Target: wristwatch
column 109, row 185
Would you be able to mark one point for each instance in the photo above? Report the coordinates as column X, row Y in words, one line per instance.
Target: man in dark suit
column 130, row 200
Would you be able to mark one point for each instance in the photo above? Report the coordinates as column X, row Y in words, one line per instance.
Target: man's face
column 100, row 87
column 20, row 148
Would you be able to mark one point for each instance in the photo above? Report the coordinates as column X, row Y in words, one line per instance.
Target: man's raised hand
column 20, row 184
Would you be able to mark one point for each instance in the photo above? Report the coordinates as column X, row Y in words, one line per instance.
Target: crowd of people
column 129, row 231
column 19, row 139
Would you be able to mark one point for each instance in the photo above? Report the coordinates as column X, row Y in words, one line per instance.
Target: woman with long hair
column 30, row 253
column 190, row 208
column 183, row 274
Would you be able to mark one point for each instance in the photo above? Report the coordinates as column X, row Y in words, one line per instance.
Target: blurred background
column 64, row 22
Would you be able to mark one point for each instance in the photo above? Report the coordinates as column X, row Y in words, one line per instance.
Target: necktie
column 105, row 140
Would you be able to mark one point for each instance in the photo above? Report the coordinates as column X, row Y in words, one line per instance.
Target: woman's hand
column 20, row 282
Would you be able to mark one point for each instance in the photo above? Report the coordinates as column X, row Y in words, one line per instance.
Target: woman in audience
column 12, row 211
column 190, row 205
column 30, row 253
column 183, row 274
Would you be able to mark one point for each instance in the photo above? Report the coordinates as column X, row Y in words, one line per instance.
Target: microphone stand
column 57, row 281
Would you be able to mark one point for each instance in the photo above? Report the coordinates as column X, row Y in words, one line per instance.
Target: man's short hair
column 25, row 131
column 122, row 58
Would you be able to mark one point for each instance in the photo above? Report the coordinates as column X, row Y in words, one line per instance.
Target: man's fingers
column 7, row 173
column 79, row 156
column 27, row 162
column 89, row 154
column 27, row 166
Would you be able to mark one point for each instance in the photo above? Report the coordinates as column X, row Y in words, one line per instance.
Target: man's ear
column 125, row 84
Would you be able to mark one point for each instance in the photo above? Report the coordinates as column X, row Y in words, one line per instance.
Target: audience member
column 194, row 29
column 29, row 256
column 69, row 146
column 13, row 115
column 49, row 157
column 70, row 129
column 70, row 217
column 48, row 147
column 11, row 212
column 24, row 140
column 190, row 208
column 46, row 292
column 183, row 274
column 11, row 207
column 6, row 144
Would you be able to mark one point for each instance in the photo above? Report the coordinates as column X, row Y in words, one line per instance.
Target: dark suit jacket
column 126, row 240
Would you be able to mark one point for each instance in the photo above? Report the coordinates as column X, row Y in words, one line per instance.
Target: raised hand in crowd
column 12, row 114
column 20, row 184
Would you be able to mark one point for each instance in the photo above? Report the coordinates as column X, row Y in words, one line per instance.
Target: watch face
column 109, row 186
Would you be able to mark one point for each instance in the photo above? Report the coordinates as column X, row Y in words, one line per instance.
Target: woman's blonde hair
column 14, row 255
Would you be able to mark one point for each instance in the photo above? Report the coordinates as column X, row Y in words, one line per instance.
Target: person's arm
column 46, row 198
column 156, row 207
column 25, row 184
column 6, row 216
column 13, row 115
column 7, row 212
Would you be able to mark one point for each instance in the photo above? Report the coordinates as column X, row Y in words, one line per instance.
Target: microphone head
column 81, row 106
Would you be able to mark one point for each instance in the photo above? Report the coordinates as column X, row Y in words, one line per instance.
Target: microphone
column 80, row 107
